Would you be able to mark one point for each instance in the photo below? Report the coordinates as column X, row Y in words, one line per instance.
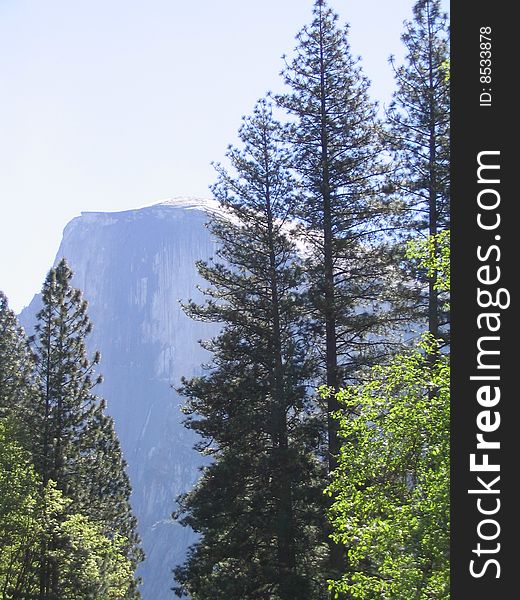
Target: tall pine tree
column 335, row 139
column 75, row 445
column 258, row 506
column 418, row 134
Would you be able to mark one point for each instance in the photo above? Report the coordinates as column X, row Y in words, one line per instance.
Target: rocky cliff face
column 134, row 267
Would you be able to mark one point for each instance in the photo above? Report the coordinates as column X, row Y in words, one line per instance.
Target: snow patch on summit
column 188, row 202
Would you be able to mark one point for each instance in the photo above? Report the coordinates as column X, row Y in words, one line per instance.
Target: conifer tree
column 258, row 506
column 16, row 365
column 418, row 134
column 74, row 443
column 335, row 138
column 336, row 155
column 106, row 487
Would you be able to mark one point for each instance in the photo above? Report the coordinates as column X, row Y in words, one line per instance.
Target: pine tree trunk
column 336, row 552
column 45, row 460
column 282, row 480
column 337, row 556
column 43, row 573
column 433, row 301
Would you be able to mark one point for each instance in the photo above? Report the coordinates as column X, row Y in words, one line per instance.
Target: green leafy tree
column 418, row 132
column 257, row 506
column 391, row 488
column 433, row 255
column 391, row 493
column 92, row 565
column 19, row 523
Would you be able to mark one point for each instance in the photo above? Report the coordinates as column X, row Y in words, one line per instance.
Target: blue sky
column 108, row 105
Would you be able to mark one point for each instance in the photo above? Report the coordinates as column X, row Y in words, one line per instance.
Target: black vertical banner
column 485, row 435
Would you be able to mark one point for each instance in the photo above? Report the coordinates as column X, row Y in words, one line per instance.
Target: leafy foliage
column 19, row 512
column 391, row 488
column 433, row 254
column 92, row 565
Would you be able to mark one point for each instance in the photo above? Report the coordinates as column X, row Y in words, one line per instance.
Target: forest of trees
column 325, row 409
column 66, row 527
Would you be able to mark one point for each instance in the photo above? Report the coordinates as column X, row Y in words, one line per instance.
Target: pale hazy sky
column 109, row 105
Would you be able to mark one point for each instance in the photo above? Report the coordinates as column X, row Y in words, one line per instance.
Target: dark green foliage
column 258, row 505
column 76, row 446
column 16, row 364
column 334, row 135
column 77, row 536
column 65, row 378
column 323, row 312
column 418, row 135
column 336, row 154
